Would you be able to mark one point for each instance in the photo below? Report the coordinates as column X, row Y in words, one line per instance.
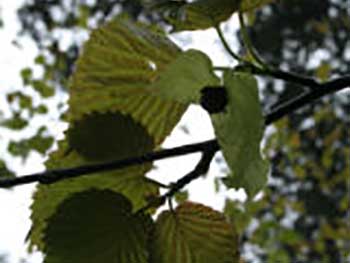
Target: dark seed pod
column 214, row 99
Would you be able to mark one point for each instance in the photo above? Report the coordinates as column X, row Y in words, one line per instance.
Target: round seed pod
column 214, row 99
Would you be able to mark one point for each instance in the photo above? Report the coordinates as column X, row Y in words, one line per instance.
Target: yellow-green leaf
column 183, row 79
column 194, row 233
column 118, row 64
column 96, row 226
column 239, row 130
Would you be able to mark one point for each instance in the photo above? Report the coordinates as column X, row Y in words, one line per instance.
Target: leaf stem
column 248, row 44
column 226, row 45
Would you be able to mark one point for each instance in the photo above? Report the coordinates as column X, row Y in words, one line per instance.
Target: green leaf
column 183, row 79
column 239, row 130
column 96, row 226
column 130, row 181
column 200, row 14
column 248, row 5
column 118, row 64
column 193, row 233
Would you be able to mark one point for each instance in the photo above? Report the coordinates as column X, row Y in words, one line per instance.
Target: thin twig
column 226, row 45
column 201, row 168
column 248, row 44
column 51, row 176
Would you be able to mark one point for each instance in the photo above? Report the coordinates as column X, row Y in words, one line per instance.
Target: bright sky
column 14, row 204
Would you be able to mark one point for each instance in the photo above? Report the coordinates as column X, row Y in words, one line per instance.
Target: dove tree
column 130, row 87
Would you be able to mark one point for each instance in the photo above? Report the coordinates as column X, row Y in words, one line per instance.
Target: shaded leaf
column 194, row 233
column 239, row 130
column 96, row 226
column 109, row 136
column 183, row 79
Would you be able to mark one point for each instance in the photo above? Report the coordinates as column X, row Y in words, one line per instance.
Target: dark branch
column 201, row 168
column 282, row 75
column 51, row 176
column 47, row 177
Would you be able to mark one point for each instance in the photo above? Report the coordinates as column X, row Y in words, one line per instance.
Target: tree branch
column 51, row 176
column 201, row 168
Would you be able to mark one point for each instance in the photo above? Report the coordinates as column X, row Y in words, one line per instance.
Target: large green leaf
column 194, row 233
column 118, row 64
column 130, row 182
column 200, row 14
column 185, row 77
column 96, row 226
column 239, row 130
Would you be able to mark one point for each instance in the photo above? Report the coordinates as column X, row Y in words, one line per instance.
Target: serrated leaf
column 239, row 130
column 200, row 14
column 248, row 5
column 194, row 233
column 130, row 182
column 183, row 79
column 96, row 226
column 118, row 64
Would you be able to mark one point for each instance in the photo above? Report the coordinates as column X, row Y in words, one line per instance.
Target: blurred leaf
column 200, row 14
column 26, row 75
column 96, row 226
column 4, row 171
column 42, row 88
column 39, row 142
column 239, row 130
column 248, row 5
column 237, row 214
column 323, row 71
column 14, row 123
column 194, row 233
column 183, row 79
column 40, row 60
